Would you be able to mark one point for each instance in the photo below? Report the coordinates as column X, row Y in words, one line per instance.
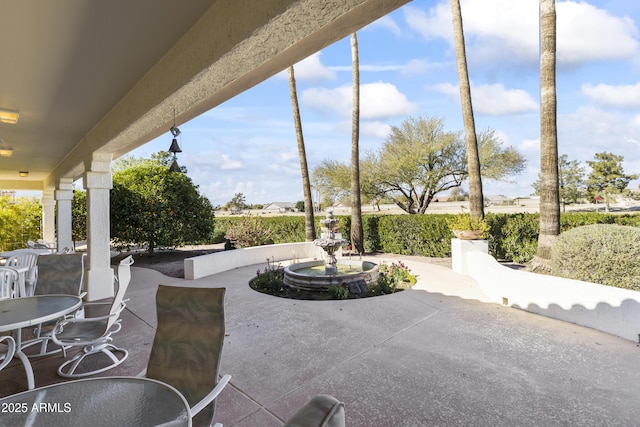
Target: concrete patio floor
column 437, row 355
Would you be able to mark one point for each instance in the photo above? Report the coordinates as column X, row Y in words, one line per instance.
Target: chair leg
column 44, row 347
column 75, row 361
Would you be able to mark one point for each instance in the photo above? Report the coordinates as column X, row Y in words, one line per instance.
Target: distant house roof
column 498, row 198
column 280, row 205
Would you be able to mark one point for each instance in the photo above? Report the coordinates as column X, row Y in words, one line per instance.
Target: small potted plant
column 465, row 227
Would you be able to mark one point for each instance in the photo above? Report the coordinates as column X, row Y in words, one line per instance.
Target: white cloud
column 506, row 31
column 311, row 69
column 417, row 66
column 493, row 100
column 414, row 66
column 375, row 129
column 586, row 33
column 228, row 163
column 621, row 96
column 377, row 101
column 387, row 23
column 589, row 130
column 530, row 145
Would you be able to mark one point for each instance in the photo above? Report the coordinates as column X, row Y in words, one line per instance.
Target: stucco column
column 64, row 196
column 48, row 216
column 97, row 182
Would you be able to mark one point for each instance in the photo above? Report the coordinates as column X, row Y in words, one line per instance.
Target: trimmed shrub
column 513, row 237
column 249, row 231
column 426, row 235
column 601, row 253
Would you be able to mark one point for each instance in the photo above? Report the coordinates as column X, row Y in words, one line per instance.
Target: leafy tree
column 607, row 177
column 571, row 181
column 150, row 205
column 300, row 205
column 457, row 194
column 419, row 160
column 332, row 180
column 19, row 221
column 497, row 163
column 79, row 215
column 237, row 203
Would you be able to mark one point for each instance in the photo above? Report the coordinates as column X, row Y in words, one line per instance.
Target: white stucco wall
column 205, row 265
column 605, row 308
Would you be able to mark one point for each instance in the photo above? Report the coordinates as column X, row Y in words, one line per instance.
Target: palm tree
column 476, row 202
column 549, row 192
column 309, row 226
column 357, row 235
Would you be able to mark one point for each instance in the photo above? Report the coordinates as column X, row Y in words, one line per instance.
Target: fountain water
column 312, row 276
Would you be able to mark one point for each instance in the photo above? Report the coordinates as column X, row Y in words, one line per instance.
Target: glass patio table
column 17, row 313
column 95, row 402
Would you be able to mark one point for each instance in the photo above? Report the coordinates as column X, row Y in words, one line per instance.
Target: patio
column 435, row 355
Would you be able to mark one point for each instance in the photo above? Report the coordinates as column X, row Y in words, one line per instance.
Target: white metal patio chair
column 94, row 333
column 8, row 283
column 29, row 259
column 61, row 274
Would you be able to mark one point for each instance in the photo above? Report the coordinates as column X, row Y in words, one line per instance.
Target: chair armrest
column 64, row 321
column 212, row 395
column 10, row 350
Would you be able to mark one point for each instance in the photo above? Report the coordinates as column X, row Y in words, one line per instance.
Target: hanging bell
column 174, row 166
column 175, row 148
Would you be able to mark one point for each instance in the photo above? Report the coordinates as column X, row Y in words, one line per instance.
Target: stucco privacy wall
column 605, row 308
column 206, row 265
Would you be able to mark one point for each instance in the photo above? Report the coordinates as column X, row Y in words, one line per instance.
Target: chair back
column 60, row 274
column 188, row 342
column 22, row 259
column 25, row 259
column 8, row 282
column 123, row 279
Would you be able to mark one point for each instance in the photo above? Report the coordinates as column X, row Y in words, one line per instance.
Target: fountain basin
column 311, row 275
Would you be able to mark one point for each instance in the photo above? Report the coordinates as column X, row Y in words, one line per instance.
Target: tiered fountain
column 319, row 275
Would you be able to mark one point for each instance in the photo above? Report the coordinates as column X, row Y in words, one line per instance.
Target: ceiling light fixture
column 9, row 116
column 23, row 174
column 5, row 150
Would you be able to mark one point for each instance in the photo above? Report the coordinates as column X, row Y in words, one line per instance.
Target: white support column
column 48, row 216
column 97, row 181
column 64, row 196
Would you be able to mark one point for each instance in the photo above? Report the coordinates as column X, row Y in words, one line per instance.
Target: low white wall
column 206, row 265
column 605, row 308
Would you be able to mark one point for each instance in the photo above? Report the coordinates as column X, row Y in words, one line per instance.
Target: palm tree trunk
column 309, row 226
column 549, row 192
column 357, row 235
column 476, row 199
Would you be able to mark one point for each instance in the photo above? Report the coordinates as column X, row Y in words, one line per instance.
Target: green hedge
column 512, row 237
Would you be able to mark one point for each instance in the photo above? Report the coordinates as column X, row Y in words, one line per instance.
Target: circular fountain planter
column 299, row 276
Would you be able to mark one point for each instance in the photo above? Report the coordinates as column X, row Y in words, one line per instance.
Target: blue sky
column 407, row 68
